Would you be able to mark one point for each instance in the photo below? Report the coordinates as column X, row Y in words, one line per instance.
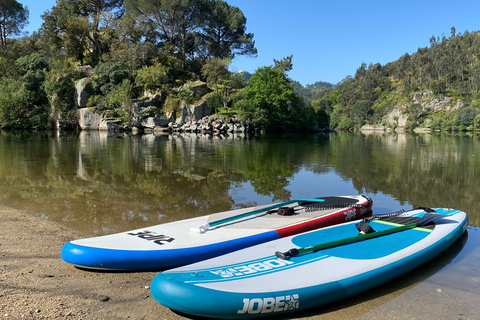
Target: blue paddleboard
column 292, row 273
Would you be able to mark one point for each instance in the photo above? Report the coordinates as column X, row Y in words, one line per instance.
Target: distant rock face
column 83, row 91
column 192, row 113
column 368, row 127
column 398, row 118
column 200, row 110
column 147, row 112
column 140, row 106
column 89, row 120
column 185, row 114
column 427, row 101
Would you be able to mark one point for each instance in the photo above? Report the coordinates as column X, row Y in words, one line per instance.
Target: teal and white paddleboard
column 187, row 241
column 310, row 269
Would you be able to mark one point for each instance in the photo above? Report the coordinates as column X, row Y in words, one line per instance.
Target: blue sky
column 329, row 40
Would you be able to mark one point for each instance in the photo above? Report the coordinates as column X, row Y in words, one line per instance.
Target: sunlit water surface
column 102, row 183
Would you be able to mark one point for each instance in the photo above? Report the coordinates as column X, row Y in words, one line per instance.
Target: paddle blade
column 429, row 217
column 363, row 227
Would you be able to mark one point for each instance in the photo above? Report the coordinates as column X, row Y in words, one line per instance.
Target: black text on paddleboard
column 160, row 239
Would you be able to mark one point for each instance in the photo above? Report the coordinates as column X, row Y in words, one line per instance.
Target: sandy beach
column 35, row 283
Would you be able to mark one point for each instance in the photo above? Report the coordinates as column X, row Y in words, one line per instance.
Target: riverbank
column 36, row 284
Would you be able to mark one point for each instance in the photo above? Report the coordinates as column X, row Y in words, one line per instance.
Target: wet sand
column 35, row 283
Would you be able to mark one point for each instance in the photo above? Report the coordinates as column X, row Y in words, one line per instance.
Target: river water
column 102, row 183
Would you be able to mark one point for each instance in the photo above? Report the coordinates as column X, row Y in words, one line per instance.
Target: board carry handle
column 428, row 217
column 204, row 227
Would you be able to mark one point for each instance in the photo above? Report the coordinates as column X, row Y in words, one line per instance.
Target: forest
column 138, row 46
column 135, row 47
column 447, row 71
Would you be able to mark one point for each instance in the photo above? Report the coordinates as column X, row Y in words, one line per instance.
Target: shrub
column 109, row 75
column 185, row 92
column 151, row 78
column 464, row 117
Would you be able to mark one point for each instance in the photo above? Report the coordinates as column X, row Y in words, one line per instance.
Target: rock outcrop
column 83, row 92
column 398, row 118
column 92, row 120
column 216, row 124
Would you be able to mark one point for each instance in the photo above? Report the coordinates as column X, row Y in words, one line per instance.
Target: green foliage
column 152, row 77
column 33, row 69
column 13, row 18
column 340, row 119
column 186, row 92
column 271, row 103
column 16, row 111
column 285, row 64
column 464, row 118
column 11, row 102
column 322, row 118
column 172, row 105
column 362, row 111
column 215, row 71
column 60, row 87
column 148, row 112
column 80, row 29
column 215, row 101
column 109, row 75
column 223, row 32
column 117, row 97
column 237, row 80
column 32, row 62
column 449, row 68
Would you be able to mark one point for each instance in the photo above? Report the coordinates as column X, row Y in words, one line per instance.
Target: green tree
column 172, row 21
column 12, row 101
column 224, row 32
column 465, row 117
column 13, row 18
column 33, row 69
column 153, row 77
column 60, row 87
column 81, row 26
column 215, row 70
column 285, row 64
column 271, row 102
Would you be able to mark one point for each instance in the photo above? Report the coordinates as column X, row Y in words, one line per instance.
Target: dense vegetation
column 138, row 46
column 449, row 68
column 134, row 46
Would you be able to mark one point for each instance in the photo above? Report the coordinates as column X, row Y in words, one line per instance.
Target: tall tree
column 13, row 18
column 271, row 101
column 224, row 32
column 215, row 70
column 285, row 64
column 81, row 26
column 173, row 20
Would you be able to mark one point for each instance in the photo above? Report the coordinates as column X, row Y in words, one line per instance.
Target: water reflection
column 103, row 183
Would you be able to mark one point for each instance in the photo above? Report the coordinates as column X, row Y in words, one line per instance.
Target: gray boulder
column 200, row 110
column 152, row 122
column 83, row 92
column 89, row 120
column 185, row 114
column 109, row 125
